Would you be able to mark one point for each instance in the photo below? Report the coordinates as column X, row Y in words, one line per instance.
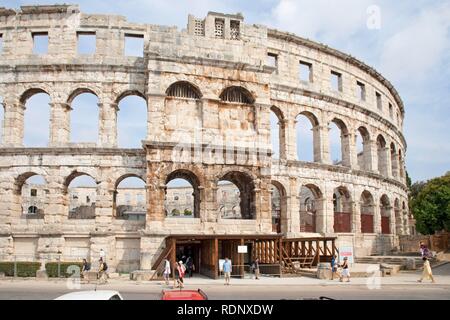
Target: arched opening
column 381, row 155
column 385, row 211
column 309, row 194
column 82, row 194
column 244, row 183
column 129, row 202
column 131, row 122
column 229, row 200
column 237, row 94
column 182, row 195
column 36, row 118
column 183, row 89
column 339, row 144
column 367, row 206
column 342, row 204
column 278, row 207
column 84, row 117
column 306, row 137
column 363, row 148
column 2, row 118
column 34, row 195
column 277, row 136
column 394, row 159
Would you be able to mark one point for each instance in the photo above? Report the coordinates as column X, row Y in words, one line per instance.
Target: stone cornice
column 338, row 54
column 340, row 169
column 7, row 151
column 327, row 98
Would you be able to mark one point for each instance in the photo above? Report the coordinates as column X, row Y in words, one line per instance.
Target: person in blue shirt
column 334, row 266
column 227, row 271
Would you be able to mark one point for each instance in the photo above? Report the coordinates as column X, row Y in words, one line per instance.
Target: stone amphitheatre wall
column 209, row 89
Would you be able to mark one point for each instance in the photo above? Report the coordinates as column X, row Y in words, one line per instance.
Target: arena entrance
column 208, row 252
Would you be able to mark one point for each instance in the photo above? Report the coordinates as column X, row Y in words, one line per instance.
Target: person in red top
column 179, row 272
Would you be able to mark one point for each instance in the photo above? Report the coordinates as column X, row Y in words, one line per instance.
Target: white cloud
column 414, row 53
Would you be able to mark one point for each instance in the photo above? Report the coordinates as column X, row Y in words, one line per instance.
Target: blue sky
column 411, row 49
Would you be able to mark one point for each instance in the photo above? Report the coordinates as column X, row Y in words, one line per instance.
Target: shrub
column 24, row 269
column 52, row 268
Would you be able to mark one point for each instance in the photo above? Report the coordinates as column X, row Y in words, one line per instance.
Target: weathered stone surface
column 209, row 98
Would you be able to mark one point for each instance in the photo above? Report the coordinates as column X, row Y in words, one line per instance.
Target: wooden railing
column 294, row 254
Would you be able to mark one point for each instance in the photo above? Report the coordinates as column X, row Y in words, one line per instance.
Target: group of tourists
column 181, row 268
column 345, row 273
column 102, row 275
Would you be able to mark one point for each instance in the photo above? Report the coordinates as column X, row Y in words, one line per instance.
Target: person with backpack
column 85, row 268
column 102, row 275
column 255, row 268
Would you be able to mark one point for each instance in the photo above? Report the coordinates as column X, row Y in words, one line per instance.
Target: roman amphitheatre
column 211, row 93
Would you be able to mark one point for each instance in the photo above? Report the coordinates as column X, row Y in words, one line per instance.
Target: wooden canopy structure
column 277, row 255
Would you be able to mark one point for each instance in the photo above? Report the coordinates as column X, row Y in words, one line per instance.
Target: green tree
column 430, row 204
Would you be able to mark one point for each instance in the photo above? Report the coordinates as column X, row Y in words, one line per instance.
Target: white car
column 91, row 295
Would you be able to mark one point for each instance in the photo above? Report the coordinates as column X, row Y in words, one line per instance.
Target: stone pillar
column 108, row 124
column 321, row 154
column 372, row 156
column 387, row 161
column 293, row 206
column 8, row 204
column 155, row 117
column 324, row 143
column 103, row 206
column 13, row 125
column 392, row 222
column 155, row 196
column 394, row 165
column 55, row 210
column 324, row 220
column 377, row 219
column 368, row 164
column 282, row 127
column 291, row 139
column 59, row 124
column 356, row 217
column 348, row 150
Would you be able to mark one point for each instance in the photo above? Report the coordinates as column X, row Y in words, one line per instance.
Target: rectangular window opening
column 391, row 111
column 336, row 81
column 1, row 43
column 219, row 28
column 272, row 60
column 86, row 42
column 40, row 42
column 33, row 192
column 305, row 71
column 361, row 91
column 235, row 29
column 134, row 45
column 379, row 105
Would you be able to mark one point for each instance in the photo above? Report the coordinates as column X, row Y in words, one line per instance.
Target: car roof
column 89, row 295
column 183, row 295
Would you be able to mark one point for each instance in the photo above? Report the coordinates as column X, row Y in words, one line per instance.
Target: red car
column 184, row 295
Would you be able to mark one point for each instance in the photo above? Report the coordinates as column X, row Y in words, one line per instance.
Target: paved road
column 151, row 292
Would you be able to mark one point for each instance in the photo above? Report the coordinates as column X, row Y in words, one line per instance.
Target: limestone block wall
column 209, row 91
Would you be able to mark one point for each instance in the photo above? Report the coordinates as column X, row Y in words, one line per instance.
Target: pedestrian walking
column 167, row 271
column 85, row 268
column 102, row 275
column 255, row 268
column 227, row 271
column 426, row 274
column 179, row 274
column 345, row 271
column 334, row 267
column 190, row 266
